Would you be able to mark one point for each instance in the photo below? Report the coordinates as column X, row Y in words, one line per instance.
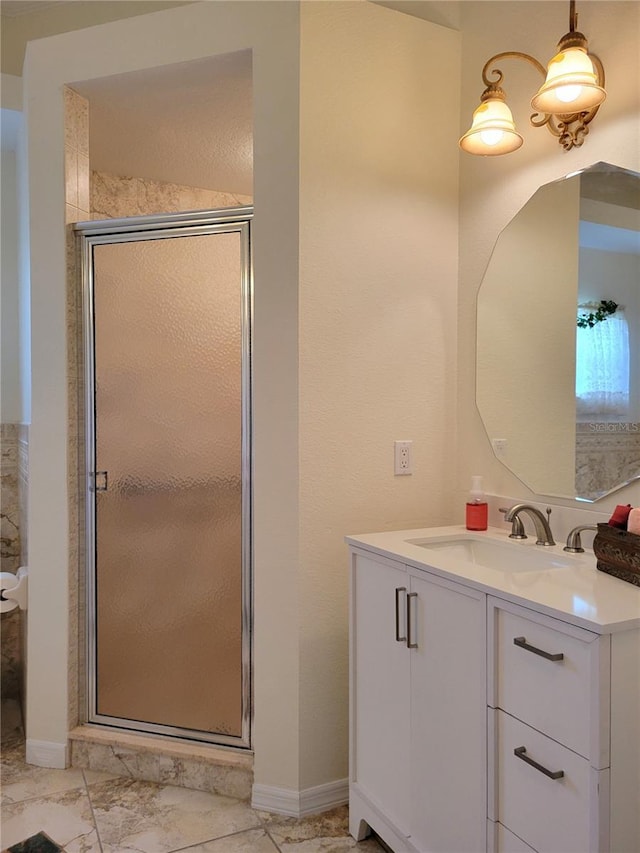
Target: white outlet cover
column 402, row 458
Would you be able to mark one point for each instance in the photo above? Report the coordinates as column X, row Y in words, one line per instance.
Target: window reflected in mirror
column 602, row 368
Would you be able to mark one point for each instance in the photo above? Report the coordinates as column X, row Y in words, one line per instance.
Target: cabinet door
column 448, row 717
column 380, row 688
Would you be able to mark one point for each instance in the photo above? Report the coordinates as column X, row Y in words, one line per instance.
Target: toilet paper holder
column 13, row 590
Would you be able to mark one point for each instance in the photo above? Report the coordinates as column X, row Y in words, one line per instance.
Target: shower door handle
column 102, row 481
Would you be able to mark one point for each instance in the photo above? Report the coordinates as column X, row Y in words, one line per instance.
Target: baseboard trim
column 292, row 803
column 46, row 753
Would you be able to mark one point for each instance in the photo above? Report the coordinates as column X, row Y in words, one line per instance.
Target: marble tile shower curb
column 200, row 768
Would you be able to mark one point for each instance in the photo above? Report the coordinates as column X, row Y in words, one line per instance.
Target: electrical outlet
column 402, row 457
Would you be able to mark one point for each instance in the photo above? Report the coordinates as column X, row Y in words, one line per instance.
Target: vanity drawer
column 550, row 815
column 552, row 676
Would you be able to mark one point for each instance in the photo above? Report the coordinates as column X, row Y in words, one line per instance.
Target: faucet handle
column 517, row 526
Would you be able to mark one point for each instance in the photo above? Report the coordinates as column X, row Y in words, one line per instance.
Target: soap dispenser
column 477, row 507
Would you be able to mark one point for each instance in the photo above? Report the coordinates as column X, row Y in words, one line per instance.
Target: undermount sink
column 503, row 556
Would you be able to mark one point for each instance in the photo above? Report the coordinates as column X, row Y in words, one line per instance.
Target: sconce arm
column 508, row 54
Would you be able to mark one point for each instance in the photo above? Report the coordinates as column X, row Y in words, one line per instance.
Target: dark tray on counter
column 618, row 553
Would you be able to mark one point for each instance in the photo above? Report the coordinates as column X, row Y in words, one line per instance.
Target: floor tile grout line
column 273, row 841
column 263, row 823
column 221, row 838
column 93, row 814
column 42, row 796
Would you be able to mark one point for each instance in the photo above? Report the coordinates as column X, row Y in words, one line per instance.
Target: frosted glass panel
column 168, row 392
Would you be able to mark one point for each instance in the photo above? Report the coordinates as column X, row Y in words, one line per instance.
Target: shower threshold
column 151, row 758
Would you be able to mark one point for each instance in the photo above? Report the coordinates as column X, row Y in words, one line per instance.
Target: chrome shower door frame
column 158, row 227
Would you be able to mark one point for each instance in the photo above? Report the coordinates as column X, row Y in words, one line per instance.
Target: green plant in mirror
column 604, row 310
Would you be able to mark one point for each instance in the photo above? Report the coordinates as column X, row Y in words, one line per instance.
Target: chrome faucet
column 574, row 543
column 543, row 530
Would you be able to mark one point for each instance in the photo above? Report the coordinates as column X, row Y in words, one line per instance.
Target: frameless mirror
column 558, row 337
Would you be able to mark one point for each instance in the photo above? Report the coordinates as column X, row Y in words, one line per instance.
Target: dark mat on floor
column 39, row 843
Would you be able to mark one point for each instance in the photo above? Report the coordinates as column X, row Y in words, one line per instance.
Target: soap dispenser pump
column 477, row 507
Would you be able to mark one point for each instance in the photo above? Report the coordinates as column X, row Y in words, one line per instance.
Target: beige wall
column 10, row 92
column 16, row 390
column 11, row 397
column 17, row 31
column 192, row 32
column 12, row 400
column 378, row 249
column 494, row 189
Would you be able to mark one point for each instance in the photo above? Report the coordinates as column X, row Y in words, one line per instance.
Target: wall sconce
column 566, row 103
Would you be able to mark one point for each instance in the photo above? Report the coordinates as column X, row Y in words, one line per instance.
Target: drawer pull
column 399, row 589
column 521, row 752
column 410, row 645
column 522, row 642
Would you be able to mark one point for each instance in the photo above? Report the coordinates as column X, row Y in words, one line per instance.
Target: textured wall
column 60, row 18
column 11, row 398
column 113, row 196
column 378, row 257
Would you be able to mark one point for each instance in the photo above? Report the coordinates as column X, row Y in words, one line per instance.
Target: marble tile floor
column 86, row 811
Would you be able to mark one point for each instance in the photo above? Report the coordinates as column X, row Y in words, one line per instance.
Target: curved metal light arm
column 536, row 119
column 508, row 54
column 570, row 128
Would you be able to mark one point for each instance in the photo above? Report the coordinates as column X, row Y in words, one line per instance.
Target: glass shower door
column 171, row 481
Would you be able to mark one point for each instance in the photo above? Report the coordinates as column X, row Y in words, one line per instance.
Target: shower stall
column 167, row 309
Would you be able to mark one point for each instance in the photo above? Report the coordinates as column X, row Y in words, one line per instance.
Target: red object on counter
column 477, row 515
column 620, row 516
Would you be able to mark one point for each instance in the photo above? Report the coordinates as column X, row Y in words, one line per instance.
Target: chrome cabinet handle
column 410, row 645
column 522, row 642
column 521, row 753
column 399, row 589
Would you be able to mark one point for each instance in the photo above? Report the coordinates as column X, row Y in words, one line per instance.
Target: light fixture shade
column 571, row 85
column 492, row 130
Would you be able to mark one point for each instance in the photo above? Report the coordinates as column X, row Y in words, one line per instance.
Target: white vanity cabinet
column 491, row 710
column 418, row 708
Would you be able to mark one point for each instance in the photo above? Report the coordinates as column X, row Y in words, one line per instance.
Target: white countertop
column 577, row 593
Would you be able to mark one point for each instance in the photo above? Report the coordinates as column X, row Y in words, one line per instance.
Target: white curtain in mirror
column 602, row 374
